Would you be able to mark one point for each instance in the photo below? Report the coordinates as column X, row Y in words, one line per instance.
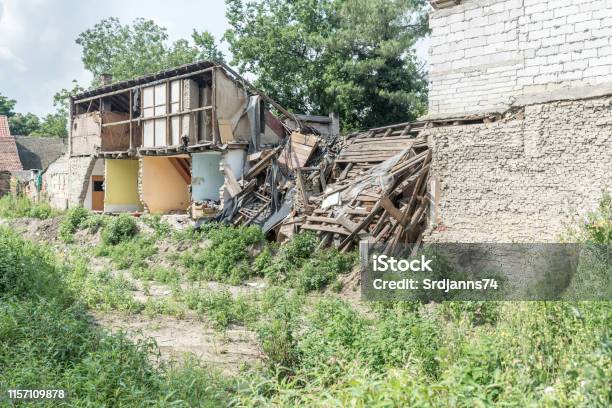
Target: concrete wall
column 485, row 53
column 121, row 186
column 520, row 180
column 162, row 188
column 98, row 170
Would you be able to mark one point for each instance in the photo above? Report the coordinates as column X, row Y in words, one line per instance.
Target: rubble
column 366, row 186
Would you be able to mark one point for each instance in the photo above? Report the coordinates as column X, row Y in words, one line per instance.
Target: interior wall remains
column 163, row 189
column 98, row 170
column 121, row 186
column 85, row 134
column 206, row 177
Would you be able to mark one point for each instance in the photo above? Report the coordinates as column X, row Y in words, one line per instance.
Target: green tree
column 351, row 56
column 130, row 50
column 24, row 124
column 6, row 106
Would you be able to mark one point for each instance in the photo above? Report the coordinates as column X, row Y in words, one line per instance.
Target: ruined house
column 167, row 142
column 520, row 101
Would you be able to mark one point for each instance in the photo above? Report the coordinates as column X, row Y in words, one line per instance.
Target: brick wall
column 485, row 53
column 520, row 180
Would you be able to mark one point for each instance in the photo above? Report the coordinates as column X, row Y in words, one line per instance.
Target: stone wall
column 486, row 53
column 520, row 180
column 66, row 180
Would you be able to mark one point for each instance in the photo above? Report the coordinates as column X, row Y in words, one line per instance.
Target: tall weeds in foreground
column 47, row 342
column 20, row 207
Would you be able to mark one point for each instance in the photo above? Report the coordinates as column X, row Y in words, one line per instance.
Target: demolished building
column 169, row 142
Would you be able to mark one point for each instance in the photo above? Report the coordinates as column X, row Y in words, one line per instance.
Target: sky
column 38, row 55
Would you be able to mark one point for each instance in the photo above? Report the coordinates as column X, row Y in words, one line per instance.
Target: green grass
column 20, row 207
column 47, row 341
column 317, row 350
column 221, row 308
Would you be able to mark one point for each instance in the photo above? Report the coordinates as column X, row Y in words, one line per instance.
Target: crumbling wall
column 521, row 180
column 486, row 53
column 55, row 183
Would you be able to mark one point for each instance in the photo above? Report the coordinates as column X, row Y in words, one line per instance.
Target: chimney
column 106, row 79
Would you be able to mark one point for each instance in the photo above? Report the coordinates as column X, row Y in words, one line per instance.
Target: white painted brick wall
column 484, row 53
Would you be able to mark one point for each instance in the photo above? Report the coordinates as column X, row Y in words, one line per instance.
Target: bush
column 73, row 220
column 162, row 228
column 23, row 207
column 27, row 269
column 134, row 253
column 222, row 308
column 119, row 229
column 227, row 257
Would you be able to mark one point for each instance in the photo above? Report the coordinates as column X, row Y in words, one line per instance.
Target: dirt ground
column 226, row 351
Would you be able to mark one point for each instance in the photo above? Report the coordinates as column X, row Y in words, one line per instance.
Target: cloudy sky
column 38, row 55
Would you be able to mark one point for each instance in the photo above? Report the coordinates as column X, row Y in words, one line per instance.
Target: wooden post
column 214, row 107
column 130, row 109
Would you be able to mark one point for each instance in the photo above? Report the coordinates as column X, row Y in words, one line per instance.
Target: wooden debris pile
column 368, row 186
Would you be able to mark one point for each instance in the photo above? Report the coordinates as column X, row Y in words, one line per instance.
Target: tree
column 128, row 51
column 6, row 106
column 24, row 124
column 351, row 56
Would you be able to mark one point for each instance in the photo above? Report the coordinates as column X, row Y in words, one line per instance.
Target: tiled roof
column 4, row 127
column 9, row 158
column 37, row 153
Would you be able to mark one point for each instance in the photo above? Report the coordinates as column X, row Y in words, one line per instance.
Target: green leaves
column 130, row 50
column 354, row 57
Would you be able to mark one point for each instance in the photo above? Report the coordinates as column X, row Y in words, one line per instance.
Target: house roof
column 4, row 127
column 37, row 153
column 168, row 73
column 9, row 158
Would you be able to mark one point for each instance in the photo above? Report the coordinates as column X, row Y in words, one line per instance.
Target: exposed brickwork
column 520, row 180
column 485, row 53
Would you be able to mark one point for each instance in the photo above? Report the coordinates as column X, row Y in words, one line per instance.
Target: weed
column 225, row 260
column 221, row 308
column 119, row 229
column 162, row 228
column 19, row 207
column 134, row 253
column 72, row 221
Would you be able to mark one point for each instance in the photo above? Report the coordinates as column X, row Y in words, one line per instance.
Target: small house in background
column 37, row 154
column 9, row 158
column 171, row 142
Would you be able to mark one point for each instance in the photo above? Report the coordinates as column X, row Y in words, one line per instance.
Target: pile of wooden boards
column 367, row 186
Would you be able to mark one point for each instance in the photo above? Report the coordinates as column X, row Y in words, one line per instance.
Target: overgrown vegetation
column 47, row 341
column 20, row 207
column 317, row 350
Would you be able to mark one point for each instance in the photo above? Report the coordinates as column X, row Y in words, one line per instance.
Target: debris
column 368, row 186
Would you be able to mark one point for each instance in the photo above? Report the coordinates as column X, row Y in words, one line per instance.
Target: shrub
column 27, row 269
column 225, row 260
column 162, row 228
column 119, row 229
column 323, row 269
column 134, row 253
column 20, row 207
column 221, row 307
column 72, row 221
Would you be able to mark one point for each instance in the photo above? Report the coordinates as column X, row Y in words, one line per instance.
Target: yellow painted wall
column 163, row 189
column 121, row 186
